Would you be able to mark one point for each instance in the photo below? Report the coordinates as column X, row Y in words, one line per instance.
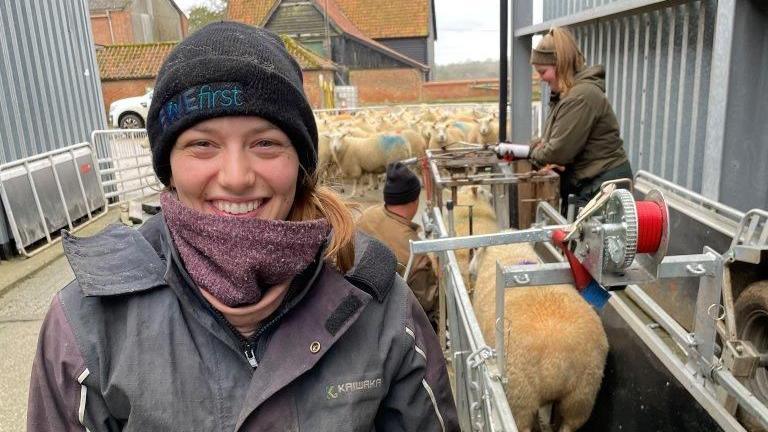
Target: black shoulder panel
column 375, row 267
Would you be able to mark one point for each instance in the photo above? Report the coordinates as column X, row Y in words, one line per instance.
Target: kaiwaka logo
column 334, row 391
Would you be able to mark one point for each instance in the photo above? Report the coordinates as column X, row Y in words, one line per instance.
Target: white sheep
column 416, row 141
column 445, row 135
column 357, row 157
column 555, row 343
column 487, row 131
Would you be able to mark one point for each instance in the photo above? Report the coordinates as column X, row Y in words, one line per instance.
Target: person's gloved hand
column 513, row 151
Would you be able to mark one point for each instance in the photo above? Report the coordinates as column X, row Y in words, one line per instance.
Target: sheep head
column 337, row 139
column 440, row 132
column 485, row 125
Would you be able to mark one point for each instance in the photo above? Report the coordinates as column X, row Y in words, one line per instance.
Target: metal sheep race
column 616, row 243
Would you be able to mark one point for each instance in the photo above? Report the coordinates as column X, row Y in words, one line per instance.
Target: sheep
column 464, row 126
column 356, row 157
column 556, row 346
column 445, row 135
column 483, row 222
column 487, row 131
column 416, row 141
column 324, row 159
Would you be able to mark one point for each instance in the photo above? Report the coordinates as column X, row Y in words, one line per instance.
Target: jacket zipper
column 250, row 355
column 247, row 346
column 253, row 347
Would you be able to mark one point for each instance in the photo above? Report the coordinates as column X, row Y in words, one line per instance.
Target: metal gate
column 125, row 164
column 479, row 394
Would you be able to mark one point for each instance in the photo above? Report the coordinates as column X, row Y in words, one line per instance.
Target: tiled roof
column 132, row 61
column 345, row 25
column 380, row 19
column 306, row 58
column 377, row 19
column 251, row 12
column 108, row 4
column 119, row 62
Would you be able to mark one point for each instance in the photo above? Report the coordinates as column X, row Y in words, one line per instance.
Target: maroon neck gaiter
column 236, row 259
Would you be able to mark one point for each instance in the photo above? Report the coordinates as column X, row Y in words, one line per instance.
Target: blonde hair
column 314, row 201
column 568, row 58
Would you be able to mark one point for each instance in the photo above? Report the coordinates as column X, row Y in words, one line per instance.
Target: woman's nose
column 235, row 172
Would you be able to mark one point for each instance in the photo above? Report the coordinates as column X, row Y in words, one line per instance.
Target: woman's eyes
column 259, row 144
column 201, row 144
column 265, row 143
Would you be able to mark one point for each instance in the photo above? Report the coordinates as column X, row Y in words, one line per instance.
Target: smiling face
column 548, row 74
column 235, row 166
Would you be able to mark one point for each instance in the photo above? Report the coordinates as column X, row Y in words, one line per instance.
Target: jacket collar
column 119, row 260
column 407, row 222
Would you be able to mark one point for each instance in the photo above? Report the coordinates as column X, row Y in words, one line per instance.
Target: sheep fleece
column 555, row 343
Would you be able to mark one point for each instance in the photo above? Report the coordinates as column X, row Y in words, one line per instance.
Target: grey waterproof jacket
column 131, row 345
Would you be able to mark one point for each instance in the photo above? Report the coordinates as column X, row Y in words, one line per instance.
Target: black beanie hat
column 229, row 69
column 402, row 185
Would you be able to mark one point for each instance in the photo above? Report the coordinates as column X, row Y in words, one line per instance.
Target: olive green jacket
column 394, row 231
column 581, row 131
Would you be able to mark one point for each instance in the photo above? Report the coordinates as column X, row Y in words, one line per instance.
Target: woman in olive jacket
column 581, row 134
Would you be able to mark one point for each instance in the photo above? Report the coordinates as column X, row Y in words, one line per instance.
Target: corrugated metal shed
column 50, row 94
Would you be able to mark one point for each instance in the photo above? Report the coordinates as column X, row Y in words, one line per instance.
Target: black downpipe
column 503, row 73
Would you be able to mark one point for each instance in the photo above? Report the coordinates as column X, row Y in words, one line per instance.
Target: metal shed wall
column 50, row 93
column 682, row 78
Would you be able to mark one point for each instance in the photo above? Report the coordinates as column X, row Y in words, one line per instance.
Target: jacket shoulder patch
column 341, row 314
column 375, row 267
column 119, row 260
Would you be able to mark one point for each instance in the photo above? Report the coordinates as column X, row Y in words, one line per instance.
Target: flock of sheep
column 357, row 146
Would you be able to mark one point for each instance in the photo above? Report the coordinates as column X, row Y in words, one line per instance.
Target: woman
column 248, row 303
column 581, row 133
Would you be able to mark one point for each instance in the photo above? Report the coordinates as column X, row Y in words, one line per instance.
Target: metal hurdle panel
column 125, row 164
column 47, row 192
column 481, row 402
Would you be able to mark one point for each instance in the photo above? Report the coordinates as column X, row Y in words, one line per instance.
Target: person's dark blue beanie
column 229, row 69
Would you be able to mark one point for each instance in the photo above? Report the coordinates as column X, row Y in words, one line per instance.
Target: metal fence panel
column 480, row 398
column 125, row 164
column 44, row 193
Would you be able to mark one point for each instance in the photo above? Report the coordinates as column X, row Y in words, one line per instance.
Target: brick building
column 129, row 70
column 384, row 48
column 115, row 22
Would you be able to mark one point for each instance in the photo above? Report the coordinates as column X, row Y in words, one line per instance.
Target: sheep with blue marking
column 357, row 157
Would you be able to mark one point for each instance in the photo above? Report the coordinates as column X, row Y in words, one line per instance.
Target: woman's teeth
column 237, row 208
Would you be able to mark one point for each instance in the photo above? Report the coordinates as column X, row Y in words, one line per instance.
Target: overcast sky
column 466, row 30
